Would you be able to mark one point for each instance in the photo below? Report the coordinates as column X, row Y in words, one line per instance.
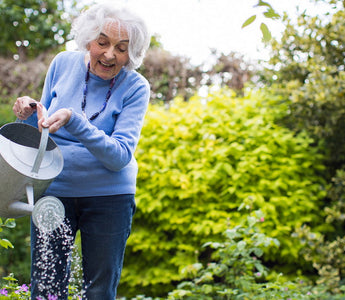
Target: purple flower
column 3, row 292
column 52, row 297
column 23, row 288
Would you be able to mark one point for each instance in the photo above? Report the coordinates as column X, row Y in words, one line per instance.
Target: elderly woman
column 96, row 104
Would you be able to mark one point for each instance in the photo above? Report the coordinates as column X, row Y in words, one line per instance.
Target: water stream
column 51, row 268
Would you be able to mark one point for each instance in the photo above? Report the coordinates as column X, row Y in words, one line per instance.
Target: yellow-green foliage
column 6, row 113
column 199, row 161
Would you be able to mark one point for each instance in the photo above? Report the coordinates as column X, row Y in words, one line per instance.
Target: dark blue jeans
column 104, row 224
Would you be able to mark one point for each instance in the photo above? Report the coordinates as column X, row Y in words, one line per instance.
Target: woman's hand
column 57, row 120
column 24, row 107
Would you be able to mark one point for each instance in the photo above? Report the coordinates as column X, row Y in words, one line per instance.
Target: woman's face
column 109, row 52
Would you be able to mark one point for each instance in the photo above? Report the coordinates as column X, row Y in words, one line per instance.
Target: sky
column 191, row 28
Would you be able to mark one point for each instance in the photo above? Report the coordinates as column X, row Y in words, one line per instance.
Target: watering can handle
column 42, row 146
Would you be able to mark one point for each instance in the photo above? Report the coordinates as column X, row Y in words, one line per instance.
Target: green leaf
column 6, row 243
column 263, row 3
column 258, row 252
column 10, row 223
column 232, row 234
column 271, row 14
column 251, row 221
column 266, row 34
column 260, row 267
column 249, row 21
column 241, row 245
column 10, row 277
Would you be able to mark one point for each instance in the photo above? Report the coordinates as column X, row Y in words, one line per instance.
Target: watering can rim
column 46, row 144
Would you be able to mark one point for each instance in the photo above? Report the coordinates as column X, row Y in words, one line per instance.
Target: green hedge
column 6, row 113
column 199, row 161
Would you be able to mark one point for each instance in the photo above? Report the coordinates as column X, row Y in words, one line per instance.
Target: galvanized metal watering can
column 29, row 161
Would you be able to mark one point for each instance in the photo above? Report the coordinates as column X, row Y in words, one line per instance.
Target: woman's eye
column 122, row 49
column 102, row 42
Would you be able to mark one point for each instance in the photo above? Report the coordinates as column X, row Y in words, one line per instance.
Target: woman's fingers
column 55, row 121
column 24, row 107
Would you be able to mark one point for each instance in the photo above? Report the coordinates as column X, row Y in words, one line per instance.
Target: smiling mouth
column 106, row 65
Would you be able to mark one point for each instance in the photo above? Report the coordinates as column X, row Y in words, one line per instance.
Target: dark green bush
column 306, row 67
column 326, row 252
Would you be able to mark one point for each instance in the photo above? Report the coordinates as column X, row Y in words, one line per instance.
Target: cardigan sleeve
column 117, row 150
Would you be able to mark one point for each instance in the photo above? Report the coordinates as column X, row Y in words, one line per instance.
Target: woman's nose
column 109, row 53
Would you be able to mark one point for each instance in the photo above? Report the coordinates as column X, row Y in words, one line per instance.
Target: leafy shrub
column 17, row 260
column 327, row 257
column 234, row 268
column 236, row 271
column 198, row 161
column 335, row 211
column 11, row 289
column 326, row 251
column 9, row 223
column 307, row 68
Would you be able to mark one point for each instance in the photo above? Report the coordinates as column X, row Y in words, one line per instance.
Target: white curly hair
column 88, row 26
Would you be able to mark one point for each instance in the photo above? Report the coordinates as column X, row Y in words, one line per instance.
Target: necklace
column 83, row 103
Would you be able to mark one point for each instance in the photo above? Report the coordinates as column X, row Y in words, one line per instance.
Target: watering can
column 29, row 161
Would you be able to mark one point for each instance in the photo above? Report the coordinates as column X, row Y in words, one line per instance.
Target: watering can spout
column 20, row 208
